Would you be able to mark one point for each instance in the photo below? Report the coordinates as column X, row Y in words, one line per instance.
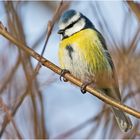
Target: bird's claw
column 63, row 72
column 84, row 85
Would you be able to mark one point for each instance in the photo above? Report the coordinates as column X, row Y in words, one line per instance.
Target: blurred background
column 47, row 107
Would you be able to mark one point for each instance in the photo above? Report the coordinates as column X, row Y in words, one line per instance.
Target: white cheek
column 61, row 36
column 77, row 27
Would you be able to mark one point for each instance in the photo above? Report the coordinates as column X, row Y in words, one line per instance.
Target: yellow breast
column 87, row 56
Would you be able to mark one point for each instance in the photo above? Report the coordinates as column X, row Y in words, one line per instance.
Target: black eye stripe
column 71, row 25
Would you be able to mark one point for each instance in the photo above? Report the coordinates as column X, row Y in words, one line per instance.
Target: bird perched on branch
column 83, row 53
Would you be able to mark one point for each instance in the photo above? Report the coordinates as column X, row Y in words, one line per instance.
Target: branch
column 11, row 114
column 135, row 7
column 5, row 108
column 62, row 6
column 68, row 76
column 8, row 112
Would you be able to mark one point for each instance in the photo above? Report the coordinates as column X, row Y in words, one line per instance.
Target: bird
column 83, row 52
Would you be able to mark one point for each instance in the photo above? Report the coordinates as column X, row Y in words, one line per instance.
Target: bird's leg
column 63, row 72
column 85, row 84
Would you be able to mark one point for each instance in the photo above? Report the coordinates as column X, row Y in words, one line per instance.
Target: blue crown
column 70, row 13
column 67, row 15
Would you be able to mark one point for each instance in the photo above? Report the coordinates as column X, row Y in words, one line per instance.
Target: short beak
column 60, row 31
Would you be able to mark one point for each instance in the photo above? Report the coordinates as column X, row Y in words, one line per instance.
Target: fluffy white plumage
column 77, row 27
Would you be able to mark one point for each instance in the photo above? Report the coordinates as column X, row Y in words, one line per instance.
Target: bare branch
column 135, row 7
column 62, row 6
column 68, row 76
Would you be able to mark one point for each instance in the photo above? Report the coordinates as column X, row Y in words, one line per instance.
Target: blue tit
column 84, row 53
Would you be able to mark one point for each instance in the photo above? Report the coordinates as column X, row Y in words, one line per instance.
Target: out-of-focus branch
column 96, row 118
column 62, row 6
column 16, row 28
column 135, row 8
column 68, row 76
column 9, row 77
column 8, row 117
column 8, row 112
column 5, row 108
column 16, row 129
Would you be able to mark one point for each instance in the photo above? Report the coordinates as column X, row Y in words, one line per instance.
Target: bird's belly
column 74, row 61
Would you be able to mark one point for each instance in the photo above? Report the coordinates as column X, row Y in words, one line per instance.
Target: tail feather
column 122, row 119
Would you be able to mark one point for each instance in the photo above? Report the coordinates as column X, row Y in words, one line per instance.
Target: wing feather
column 116, row 85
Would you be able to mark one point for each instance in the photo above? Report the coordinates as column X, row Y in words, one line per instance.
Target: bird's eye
column 69, row 26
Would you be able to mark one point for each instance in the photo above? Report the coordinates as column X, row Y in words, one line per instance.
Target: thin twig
column 68, row 76
column 10, row 76
column 8, row 116
column 135, row 8
column 5, row 108
column 50, row 26
column 18, row 31
column 17, row 130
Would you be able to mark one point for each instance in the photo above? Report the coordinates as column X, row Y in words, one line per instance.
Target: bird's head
column 72, row 22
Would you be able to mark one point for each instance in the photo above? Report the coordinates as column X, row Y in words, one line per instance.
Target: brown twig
column 95, row 119
column 17, row 30
column 135, row 8
column 68, row 76
column 17, row 130
column 51, row 23
column 9, row 77
column 5, row 108
column 8, row 112
column 50, row 26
